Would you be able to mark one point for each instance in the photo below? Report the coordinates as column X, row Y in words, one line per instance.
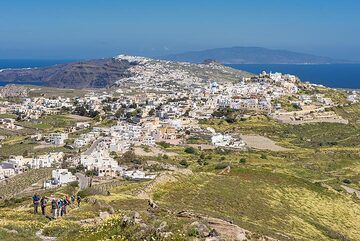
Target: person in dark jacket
column 36, row 201
column 43, row 203
column 66, row 202
column 54, row 207
column 78, row 201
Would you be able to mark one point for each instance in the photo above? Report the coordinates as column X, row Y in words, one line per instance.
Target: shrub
column 74, row 184
column 193, row 233
column 129, row 156
column 347, row 181
column 263, row 156
column 190, row 150
column 242, row 160
column 164, row 144
column 202, row 162
column 184, row 163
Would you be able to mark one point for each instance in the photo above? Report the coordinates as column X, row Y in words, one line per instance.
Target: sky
column 83, row 29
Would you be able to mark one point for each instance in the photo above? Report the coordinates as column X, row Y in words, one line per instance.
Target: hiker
column 72, row 199
column 36, row 201
column 54, row 207
column 78, row 201
column 43, row 203
column 66, row 202
column 59, row 210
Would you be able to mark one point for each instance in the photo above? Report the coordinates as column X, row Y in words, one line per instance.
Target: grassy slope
column 261, row 201
column 287, row 195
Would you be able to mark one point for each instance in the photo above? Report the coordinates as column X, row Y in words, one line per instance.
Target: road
column 83, row 180
column 93, row 146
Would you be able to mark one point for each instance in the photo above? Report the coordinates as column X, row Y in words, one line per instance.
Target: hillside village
column 162, row 104
column 149, row 112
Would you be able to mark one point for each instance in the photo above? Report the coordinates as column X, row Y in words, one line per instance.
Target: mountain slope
column 122, row 69
column 250, row 55
column 93, row 73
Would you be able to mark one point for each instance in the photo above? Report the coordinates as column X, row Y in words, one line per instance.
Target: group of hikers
column 58, row 206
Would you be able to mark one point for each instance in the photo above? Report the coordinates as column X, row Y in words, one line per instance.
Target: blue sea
column 332, row 75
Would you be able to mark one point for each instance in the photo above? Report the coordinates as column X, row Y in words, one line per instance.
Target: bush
column 164, row 144
column 74, row 184
column 190, row 150
column 90, row 173
column 129, row 156
column 184, row 163
column 222, row 165
column 136, row 161
column 263, row 156
column 242, row 160
column 202, row 162
column 347, row 181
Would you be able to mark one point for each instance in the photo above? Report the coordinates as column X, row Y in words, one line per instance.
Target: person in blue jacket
column 36, row 202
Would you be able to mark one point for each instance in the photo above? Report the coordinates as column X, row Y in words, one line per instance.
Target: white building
column 221, row 140
column 6, row 172
column 101, row 162
column 57, row 138
column 63, row 176
column 137, row 175
column 45, row 161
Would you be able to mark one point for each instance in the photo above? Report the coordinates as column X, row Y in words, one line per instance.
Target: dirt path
column 262, row 143
column 83, row 180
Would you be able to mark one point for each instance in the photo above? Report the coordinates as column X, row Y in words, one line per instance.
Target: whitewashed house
column 57, row 138
column 6, row 171
column 63, row 176
column 137, row 175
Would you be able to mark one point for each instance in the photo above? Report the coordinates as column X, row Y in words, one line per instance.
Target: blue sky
column 74, row 29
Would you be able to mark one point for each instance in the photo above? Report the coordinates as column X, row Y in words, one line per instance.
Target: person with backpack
column 59, row 210
column 66, row 202
column 54, row 207
column 78, row 201
column 36, row 201
column 43, row 203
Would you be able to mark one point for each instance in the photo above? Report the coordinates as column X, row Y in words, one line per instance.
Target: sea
column 346, row 76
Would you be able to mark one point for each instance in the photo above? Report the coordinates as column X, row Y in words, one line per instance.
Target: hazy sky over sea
column 91, row 28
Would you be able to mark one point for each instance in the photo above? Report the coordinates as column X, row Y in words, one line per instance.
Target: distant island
column 251, row 55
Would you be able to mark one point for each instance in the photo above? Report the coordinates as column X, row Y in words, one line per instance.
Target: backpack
column 43, row 202
column 53, row 204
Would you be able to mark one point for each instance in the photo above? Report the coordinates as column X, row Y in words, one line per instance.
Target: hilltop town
column 165, row 121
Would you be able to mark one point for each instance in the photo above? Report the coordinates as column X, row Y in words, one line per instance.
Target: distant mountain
column 122, row 70
column 251, row 55
column 85, row 74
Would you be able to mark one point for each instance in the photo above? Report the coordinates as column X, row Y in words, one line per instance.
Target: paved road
column 93, row 146
column 83, row 180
